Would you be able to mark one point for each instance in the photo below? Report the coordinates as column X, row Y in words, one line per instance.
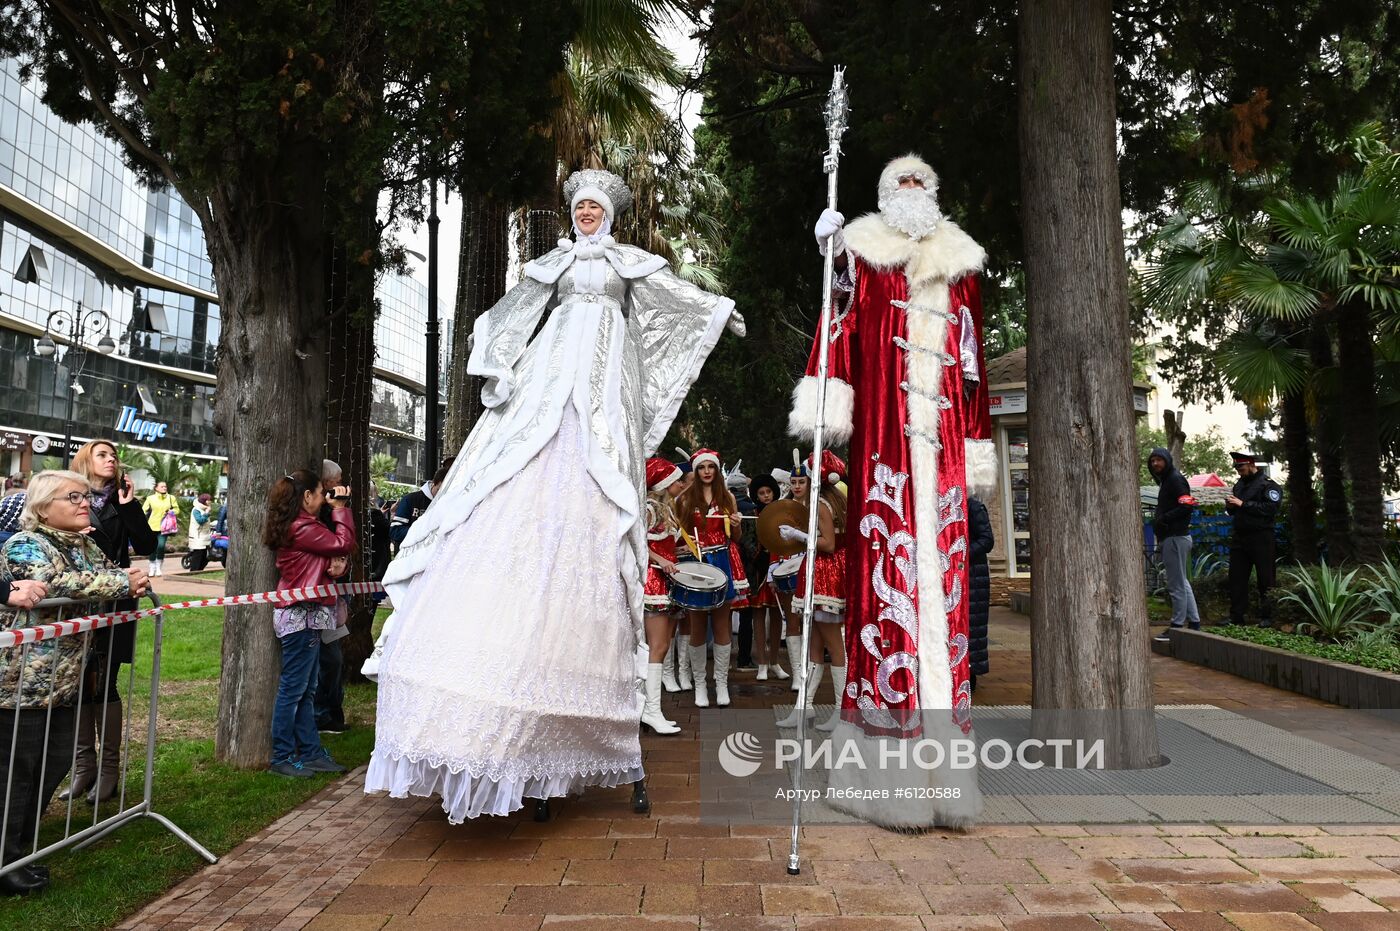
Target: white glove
column 828, row 230
column 736, row 324
column 792, row 534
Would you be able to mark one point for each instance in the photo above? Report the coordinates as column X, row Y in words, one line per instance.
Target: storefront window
column 1018, row 503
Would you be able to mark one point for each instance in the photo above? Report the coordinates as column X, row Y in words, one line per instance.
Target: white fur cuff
column 840, row 407
column 981, row 467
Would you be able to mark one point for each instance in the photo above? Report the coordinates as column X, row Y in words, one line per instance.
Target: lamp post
column 73, row 326
column 431, row 452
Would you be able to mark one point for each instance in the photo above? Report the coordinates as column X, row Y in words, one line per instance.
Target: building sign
column 1008, row 402
column 10, row 440
column 40, row 444
column 143, row 430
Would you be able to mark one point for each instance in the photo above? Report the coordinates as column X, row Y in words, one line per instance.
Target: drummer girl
column 710, row 523
column 770, row 605
column 829, row 598
column 663, row 485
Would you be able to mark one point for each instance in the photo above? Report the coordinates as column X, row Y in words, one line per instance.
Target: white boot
column 778, row 671
column 651, row 712
column 159, row 562
column 150, row 567
column 762, row 672
column 794, row 652
column 683, row 677
column 668, row 669
column 814, row 670
column 722, row 651
column 838, row 682
column 697, row 672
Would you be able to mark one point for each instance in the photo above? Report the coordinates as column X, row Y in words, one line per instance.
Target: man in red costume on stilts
column 907, row 391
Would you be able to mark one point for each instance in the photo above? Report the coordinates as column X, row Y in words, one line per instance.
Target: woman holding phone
column 118, row 527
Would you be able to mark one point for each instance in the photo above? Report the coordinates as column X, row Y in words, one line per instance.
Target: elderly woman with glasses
column 40, row 684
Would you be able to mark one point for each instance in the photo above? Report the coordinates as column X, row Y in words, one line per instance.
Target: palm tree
column 206, row 476
column 1296, row 261
column 172, row 469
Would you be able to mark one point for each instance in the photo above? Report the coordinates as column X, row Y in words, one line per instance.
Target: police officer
column 1254, row 504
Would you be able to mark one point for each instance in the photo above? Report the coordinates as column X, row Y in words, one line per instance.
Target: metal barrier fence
column 37, row 734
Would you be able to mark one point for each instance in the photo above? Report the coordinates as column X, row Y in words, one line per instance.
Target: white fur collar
column 947, row 254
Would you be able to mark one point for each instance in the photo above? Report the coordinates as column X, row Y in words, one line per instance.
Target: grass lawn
column 207, row 575
column 217, row 805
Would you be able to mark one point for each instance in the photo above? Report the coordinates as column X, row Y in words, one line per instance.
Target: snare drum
column 697, row 586
column 785, row 574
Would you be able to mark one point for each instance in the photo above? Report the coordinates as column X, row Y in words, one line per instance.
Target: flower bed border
column 1328, row 680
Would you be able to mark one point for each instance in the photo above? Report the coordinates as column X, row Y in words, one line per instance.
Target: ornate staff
column 837, row 106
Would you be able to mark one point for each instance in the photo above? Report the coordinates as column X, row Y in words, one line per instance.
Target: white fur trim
column 981, row 467
column 908, row 166
column 928, row 328
column 704, row 457
column 902, row 813
column 840, row 408
column 668, row 481
column 594, row 193
column 947, row 254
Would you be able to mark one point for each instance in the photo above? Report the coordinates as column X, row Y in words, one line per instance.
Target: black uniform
column 1252, row 543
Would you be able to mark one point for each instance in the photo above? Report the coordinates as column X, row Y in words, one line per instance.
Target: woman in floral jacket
column 40, row 683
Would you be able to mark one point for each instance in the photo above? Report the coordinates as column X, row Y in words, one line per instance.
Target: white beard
column 912, row 211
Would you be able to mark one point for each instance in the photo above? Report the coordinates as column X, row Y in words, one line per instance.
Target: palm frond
column 1259, row 289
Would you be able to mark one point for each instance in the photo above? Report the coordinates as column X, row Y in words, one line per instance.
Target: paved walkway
column 346, row 862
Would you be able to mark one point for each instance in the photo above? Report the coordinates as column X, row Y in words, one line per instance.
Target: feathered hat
column 833, row 468
column 661, row 473
column 598, row 185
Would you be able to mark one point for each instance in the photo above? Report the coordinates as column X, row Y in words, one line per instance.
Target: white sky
column 687, row 52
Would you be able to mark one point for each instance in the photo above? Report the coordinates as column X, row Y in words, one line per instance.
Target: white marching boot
column 722, row 652
column 697, row 673
column 668, row 669
column 651, row 712
column 815, row 671
column 838, row 682
column 683, row 677
column 762, row 672
column 778, row 671
column 794, row 645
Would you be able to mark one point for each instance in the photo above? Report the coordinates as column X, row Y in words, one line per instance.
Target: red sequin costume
column 661, row 540
column 766, row 595
column 713, row 536
column 830, row 578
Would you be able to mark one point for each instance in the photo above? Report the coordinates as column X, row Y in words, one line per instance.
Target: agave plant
column 1385, row 597
column 1204, row 565
column 1337, row 608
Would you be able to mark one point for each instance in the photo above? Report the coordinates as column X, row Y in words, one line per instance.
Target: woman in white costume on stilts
column 513, row 661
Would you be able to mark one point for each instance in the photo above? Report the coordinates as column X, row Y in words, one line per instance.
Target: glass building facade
column 79, row 232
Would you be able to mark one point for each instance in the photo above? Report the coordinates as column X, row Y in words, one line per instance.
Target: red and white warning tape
column 78, row 625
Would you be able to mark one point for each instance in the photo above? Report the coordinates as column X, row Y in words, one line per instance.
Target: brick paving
column 346, row 862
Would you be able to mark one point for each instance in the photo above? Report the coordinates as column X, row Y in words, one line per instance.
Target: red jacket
column 303, row 562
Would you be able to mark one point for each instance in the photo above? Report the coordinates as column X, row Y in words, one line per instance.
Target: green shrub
column 1385, row 597
column 1334, row 606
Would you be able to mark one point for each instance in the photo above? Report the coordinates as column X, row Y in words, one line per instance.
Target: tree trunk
column 349, row 391
column 1361, row 444
column 1176, row 435
column 1302, row 501
column 1089, row 620
column 270, row 411
column 483, row 263
column 1336, row 517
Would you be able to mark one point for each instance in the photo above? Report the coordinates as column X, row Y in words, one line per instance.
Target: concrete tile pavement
column 346, row 861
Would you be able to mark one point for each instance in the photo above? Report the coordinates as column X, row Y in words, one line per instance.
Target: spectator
column 412, row 505
column 221, row 525
column 738, row 483
column 305, row 548
column 10, row 508
column 379, row 546
column 979, row 604
column 53, row 555
column 118, row 527
column 163, row 515
column 330, row 686
column 1254, row 504
column 201, row 532
column 1171, row 525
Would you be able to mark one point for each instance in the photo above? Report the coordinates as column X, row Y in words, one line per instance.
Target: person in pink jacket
column 305, row 547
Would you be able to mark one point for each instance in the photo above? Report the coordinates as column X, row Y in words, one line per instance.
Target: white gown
column 512, row 664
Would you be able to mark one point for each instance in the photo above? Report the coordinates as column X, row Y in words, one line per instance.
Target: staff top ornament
column 838, row 107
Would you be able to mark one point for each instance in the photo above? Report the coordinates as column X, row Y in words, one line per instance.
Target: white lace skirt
column 510, row 671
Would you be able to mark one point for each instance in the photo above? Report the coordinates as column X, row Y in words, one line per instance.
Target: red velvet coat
column 897, row 361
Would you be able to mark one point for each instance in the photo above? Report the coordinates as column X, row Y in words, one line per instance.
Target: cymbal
column 779, row 514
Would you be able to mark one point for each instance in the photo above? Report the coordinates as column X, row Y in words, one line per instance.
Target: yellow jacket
column 155, row 507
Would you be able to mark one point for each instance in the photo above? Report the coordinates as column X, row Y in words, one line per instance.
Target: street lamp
column 75, row 324
column 431, row 451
